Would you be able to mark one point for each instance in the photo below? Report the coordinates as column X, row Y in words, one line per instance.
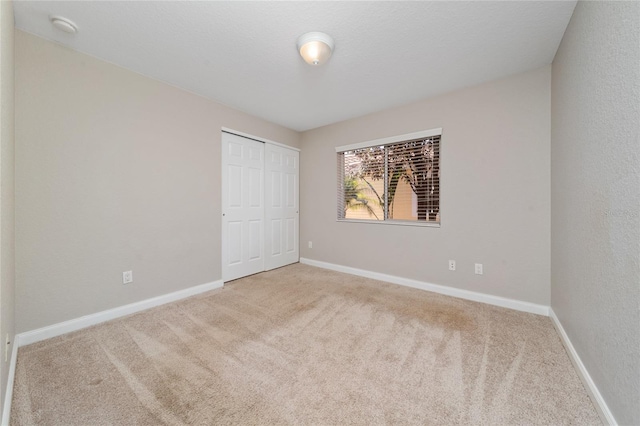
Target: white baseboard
column 518, row 305
column 8, row 396
column 592, row 389
column 54, row 330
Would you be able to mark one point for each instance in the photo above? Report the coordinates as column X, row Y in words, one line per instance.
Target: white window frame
column 387, row 141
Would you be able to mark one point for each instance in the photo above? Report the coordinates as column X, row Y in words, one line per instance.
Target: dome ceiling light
column 64, row 24
column 315, row 47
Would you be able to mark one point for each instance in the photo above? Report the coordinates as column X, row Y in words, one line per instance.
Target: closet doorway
column 260, row 206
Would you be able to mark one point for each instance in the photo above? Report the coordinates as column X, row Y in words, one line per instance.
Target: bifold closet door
column 281, row 206
column 243, row 209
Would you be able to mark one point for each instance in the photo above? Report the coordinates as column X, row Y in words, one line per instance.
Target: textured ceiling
column 243, row 54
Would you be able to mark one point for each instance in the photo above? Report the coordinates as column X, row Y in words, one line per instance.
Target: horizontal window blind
column 398, row 181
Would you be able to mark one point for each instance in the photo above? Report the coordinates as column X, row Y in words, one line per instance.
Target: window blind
column 397, row 181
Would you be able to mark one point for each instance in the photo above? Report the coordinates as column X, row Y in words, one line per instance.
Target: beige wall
column 114, row 172
column 595, row 198
column 494, row 192
column 7, row 239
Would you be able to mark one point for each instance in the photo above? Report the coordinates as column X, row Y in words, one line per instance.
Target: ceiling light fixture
column 315, row 47
column 64, row 24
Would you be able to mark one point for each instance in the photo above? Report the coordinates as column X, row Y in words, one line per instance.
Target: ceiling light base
column 64, row 24
column 315, row 47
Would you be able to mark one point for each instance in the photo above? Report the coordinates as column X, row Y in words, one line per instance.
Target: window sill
column 393, row 222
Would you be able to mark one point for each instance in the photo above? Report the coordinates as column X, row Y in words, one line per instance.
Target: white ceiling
column 243, row 54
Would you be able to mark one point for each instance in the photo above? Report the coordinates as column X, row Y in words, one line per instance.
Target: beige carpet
column 302, row 345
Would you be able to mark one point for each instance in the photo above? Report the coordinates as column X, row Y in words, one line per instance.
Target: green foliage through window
column 398, row 181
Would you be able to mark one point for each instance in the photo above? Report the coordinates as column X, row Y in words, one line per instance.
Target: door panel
column 276, row 235
column 255, row 239
column 282, row 204
column 235, row 183
column 235, row 242
column 291, row 234
column 292, row 196
column 276, row 189
column 242, row 207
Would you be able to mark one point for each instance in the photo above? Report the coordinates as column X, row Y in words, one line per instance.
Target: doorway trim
column 257, row 138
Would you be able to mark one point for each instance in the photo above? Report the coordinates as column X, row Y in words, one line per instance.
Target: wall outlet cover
column 479, row 269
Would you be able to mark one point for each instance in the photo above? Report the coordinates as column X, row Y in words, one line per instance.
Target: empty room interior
column 320, row 213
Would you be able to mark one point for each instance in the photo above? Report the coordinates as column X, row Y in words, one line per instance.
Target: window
column 393, row 180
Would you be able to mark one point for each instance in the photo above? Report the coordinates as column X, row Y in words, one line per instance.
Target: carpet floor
column 303, row 345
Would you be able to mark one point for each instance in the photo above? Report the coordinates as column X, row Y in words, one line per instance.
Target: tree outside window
column 393, row 182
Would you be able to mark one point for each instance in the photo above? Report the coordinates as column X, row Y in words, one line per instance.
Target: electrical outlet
column 127, row 277
column 479, row 269
column 310, row 244
column 452, row 265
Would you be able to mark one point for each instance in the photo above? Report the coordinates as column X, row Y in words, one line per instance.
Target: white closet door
column 281, row 206
column 242, row 207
